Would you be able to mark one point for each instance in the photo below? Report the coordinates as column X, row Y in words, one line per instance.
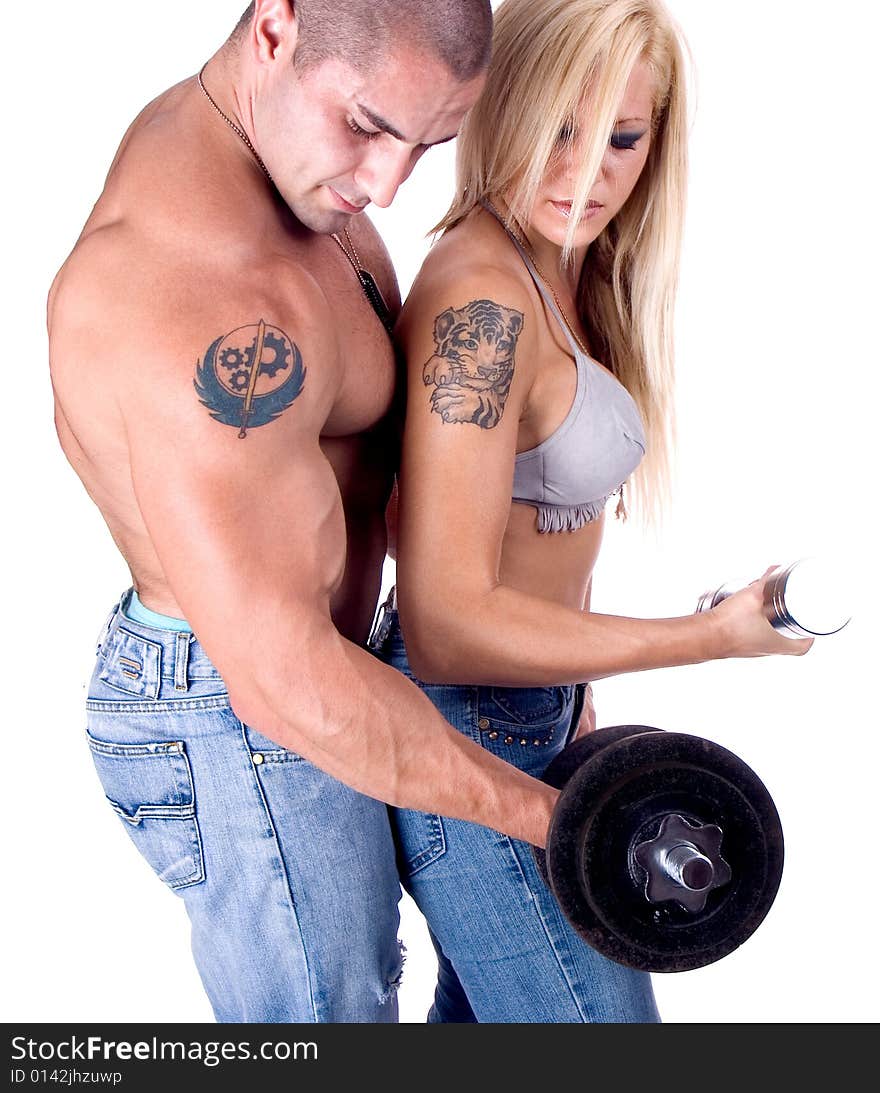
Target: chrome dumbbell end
column 805, row 599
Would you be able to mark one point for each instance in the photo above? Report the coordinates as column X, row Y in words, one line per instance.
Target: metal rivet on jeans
column 508, row 739
column 493, row 735
column 523, row 741
column 483, row 723
column 536, row 743
column 257, row 759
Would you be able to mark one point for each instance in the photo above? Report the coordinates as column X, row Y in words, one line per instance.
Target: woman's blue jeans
column 288, row 876
column 506, row 952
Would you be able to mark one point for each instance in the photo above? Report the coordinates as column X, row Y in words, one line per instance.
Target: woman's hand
column 745, row 629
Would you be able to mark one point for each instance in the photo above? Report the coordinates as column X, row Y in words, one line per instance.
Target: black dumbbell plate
column 572, row 758
column 617, row 800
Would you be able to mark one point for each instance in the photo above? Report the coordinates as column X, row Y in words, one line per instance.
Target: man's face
column 335, row 138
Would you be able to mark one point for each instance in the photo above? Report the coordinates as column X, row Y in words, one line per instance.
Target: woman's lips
column 564, row 208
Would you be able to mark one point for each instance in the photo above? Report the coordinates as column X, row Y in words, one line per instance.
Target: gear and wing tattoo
column 250, row 376
column 472, row 366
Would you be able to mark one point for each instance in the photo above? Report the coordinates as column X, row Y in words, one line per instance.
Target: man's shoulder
column 141, row 325
column 124, row 290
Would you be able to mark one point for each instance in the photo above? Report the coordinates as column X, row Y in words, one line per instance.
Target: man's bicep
column 239, row 503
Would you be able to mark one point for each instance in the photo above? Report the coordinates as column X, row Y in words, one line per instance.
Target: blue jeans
column 288, row 876
column 506, row 953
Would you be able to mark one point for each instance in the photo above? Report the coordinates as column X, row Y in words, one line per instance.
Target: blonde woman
column 540, row 368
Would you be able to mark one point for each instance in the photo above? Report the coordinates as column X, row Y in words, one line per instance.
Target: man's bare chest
column 366, row 357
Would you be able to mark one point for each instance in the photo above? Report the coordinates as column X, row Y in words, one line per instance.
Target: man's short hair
column 459, row 32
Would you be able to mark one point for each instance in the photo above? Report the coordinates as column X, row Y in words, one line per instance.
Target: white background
column 777, row 400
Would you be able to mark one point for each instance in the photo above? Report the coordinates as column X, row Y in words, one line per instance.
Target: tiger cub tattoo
column 472, row 365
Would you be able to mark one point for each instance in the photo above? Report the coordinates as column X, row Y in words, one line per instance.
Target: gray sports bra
column 571, row 475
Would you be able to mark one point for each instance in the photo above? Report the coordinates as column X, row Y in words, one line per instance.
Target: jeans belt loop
column 181, row 660
column 105, row 629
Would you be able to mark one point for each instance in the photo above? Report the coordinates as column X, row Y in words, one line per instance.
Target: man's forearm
column 370, row 727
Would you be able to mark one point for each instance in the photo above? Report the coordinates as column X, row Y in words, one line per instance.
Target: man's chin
column 321, row 220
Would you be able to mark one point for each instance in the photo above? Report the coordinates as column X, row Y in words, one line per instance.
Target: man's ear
column 274, row 29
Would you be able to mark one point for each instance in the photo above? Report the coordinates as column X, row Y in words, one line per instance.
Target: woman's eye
column 566, row 134
column 625, row 141
column 358, row 130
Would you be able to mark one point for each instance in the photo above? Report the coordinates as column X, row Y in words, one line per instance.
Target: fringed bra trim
column 567, row 517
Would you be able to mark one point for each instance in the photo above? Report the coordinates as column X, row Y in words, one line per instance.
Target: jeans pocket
column 268, row 750
column 524, row 725
column 150, row 788
column 419, row 838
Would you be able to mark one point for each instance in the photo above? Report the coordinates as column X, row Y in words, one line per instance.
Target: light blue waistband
column 136, row 611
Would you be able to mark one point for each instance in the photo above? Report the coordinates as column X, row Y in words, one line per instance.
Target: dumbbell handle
column 684, row 864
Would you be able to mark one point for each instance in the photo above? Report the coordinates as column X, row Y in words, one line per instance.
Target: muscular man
column 223, row 388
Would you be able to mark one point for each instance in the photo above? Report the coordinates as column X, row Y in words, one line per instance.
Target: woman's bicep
column 467, row 385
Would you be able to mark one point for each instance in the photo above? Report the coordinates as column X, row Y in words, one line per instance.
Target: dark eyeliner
column 626, row 141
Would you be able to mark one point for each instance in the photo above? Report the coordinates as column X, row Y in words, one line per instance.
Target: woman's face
column 622, row 164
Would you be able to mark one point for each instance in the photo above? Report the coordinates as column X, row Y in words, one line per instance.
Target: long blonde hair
column 550, row 58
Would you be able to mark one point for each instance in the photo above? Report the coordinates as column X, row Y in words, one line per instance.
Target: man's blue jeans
column 506, row 953
column 288, row 876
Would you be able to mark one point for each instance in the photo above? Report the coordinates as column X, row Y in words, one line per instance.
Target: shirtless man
column 222, row 388
column 223, row 385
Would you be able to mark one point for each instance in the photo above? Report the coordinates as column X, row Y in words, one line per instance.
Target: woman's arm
column 470, row 344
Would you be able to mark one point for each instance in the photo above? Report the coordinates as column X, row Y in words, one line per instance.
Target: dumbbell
column 801, row 600
column 664, row 851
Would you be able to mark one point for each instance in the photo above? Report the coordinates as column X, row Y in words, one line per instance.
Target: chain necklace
column 350, row 253
column 235, row 128
column 520, row 236
column 371, row 289
column 368, row 283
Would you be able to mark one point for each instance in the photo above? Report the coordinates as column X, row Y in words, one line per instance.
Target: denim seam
column 147, row 626
column 157, row 812
column 158, row 750
column 199, row 875
column 124, row 690
column 181, row 661
column 283, row 866
column 555, row 707
column 436, row 850
column 544, row 926
column 209, row 702
column 139, row 637
column 103, row 653
column 278, row 756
